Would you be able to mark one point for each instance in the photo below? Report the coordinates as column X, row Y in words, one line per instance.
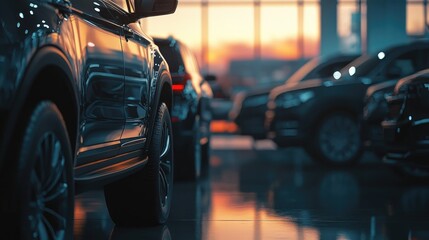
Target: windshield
column 305, row 72
column 361, row 66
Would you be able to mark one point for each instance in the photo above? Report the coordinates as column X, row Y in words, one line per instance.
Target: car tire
column 144, row 198
column 337, row 140
column 189, row 163
column 45, row 187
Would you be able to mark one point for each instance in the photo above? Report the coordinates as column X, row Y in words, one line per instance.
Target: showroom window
column 417, row 18
column 221, row 31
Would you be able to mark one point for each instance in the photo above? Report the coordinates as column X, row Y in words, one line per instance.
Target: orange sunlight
column 231, row 31
column 236, row 218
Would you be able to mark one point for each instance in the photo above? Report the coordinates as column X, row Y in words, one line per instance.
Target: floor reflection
column 277, row 194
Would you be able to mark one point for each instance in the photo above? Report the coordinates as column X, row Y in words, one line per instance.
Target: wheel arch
column 163, row 93
column 49, row 76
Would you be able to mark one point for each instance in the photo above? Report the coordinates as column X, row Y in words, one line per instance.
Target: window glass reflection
column 311, row 30
column 279, row 31
column 415, row 19
column 230, row 35
column 185, row 24
column 348, row 26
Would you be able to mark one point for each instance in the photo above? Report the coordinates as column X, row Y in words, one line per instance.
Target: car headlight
column 256, row 101
column 289, row 100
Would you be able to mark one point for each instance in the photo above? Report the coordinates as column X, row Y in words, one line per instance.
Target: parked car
column 406, row 128
column 325, row 116
column 85, row 101
column 374, row 112
column 249, row 107
column 191, row 114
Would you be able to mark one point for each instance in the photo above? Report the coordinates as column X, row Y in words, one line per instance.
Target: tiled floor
column 255, row 191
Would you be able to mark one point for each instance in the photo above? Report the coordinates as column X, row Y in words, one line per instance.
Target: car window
column 404, row 65
column 122, row 4
column 304, row 72
column 362, row 66
column 172, row 56
column 329, row 69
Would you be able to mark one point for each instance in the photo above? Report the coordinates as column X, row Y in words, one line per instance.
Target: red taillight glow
column 179, row 81
column 178, row 87
column 175, row 119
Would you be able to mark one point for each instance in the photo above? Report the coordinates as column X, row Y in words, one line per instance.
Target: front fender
column 160, row 89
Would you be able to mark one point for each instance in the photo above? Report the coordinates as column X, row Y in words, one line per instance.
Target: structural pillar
column 386, row 24
column 329, row 40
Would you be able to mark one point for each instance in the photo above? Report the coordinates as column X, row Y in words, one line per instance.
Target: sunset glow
column 231, row 31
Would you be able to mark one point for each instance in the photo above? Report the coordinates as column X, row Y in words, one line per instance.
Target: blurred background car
column 325, row 115
column 406, row 128
column 249, row 107
column 374, row 112
column 191, row 114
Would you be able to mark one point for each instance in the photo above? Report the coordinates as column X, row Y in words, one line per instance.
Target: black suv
column 406, row 128
column 249, row 107
column 325, row 116
column 191, row 113
column 85, row 97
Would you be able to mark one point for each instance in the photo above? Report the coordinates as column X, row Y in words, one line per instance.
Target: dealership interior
column 254, row 187
column 214, row 119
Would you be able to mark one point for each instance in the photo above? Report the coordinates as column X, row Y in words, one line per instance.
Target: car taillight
column 179, row 81
column 178, row 87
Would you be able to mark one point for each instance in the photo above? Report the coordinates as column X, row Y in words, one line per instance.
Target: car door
column 101, row 69
column 138, row 59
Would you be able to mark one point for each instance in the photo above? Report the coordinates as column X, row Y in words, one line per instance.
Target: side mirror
column 210, row 78
column 149, row 8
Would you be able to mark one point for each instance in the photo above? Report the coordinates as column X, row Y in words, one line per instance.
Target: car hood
column 258, row 91
column 319, row 82
column 297, row 86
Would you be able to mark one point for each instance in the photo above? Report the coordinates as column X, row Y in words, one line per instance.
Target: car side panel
column 100, row 54
column 138, row 58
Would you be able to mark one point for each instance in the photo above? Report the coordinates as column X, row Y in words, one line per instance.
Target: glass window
column 279, row 31
column 415, row 19
column 172, row 56
column 311, row 30
column 184, row 24
column 231, row 34
column 406, row 64
column 348, row 26
column 122, row 4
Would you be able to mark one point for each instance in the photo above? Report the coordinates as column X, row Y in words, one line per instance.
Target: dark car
column 374, row 112
column 406, row 128
column 191, row 114
column 325, row 115
column 85, row 98
column 249, row 107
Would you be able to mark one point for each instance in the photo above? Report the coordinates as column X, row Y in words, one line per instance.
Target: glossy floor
column 254, row 191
